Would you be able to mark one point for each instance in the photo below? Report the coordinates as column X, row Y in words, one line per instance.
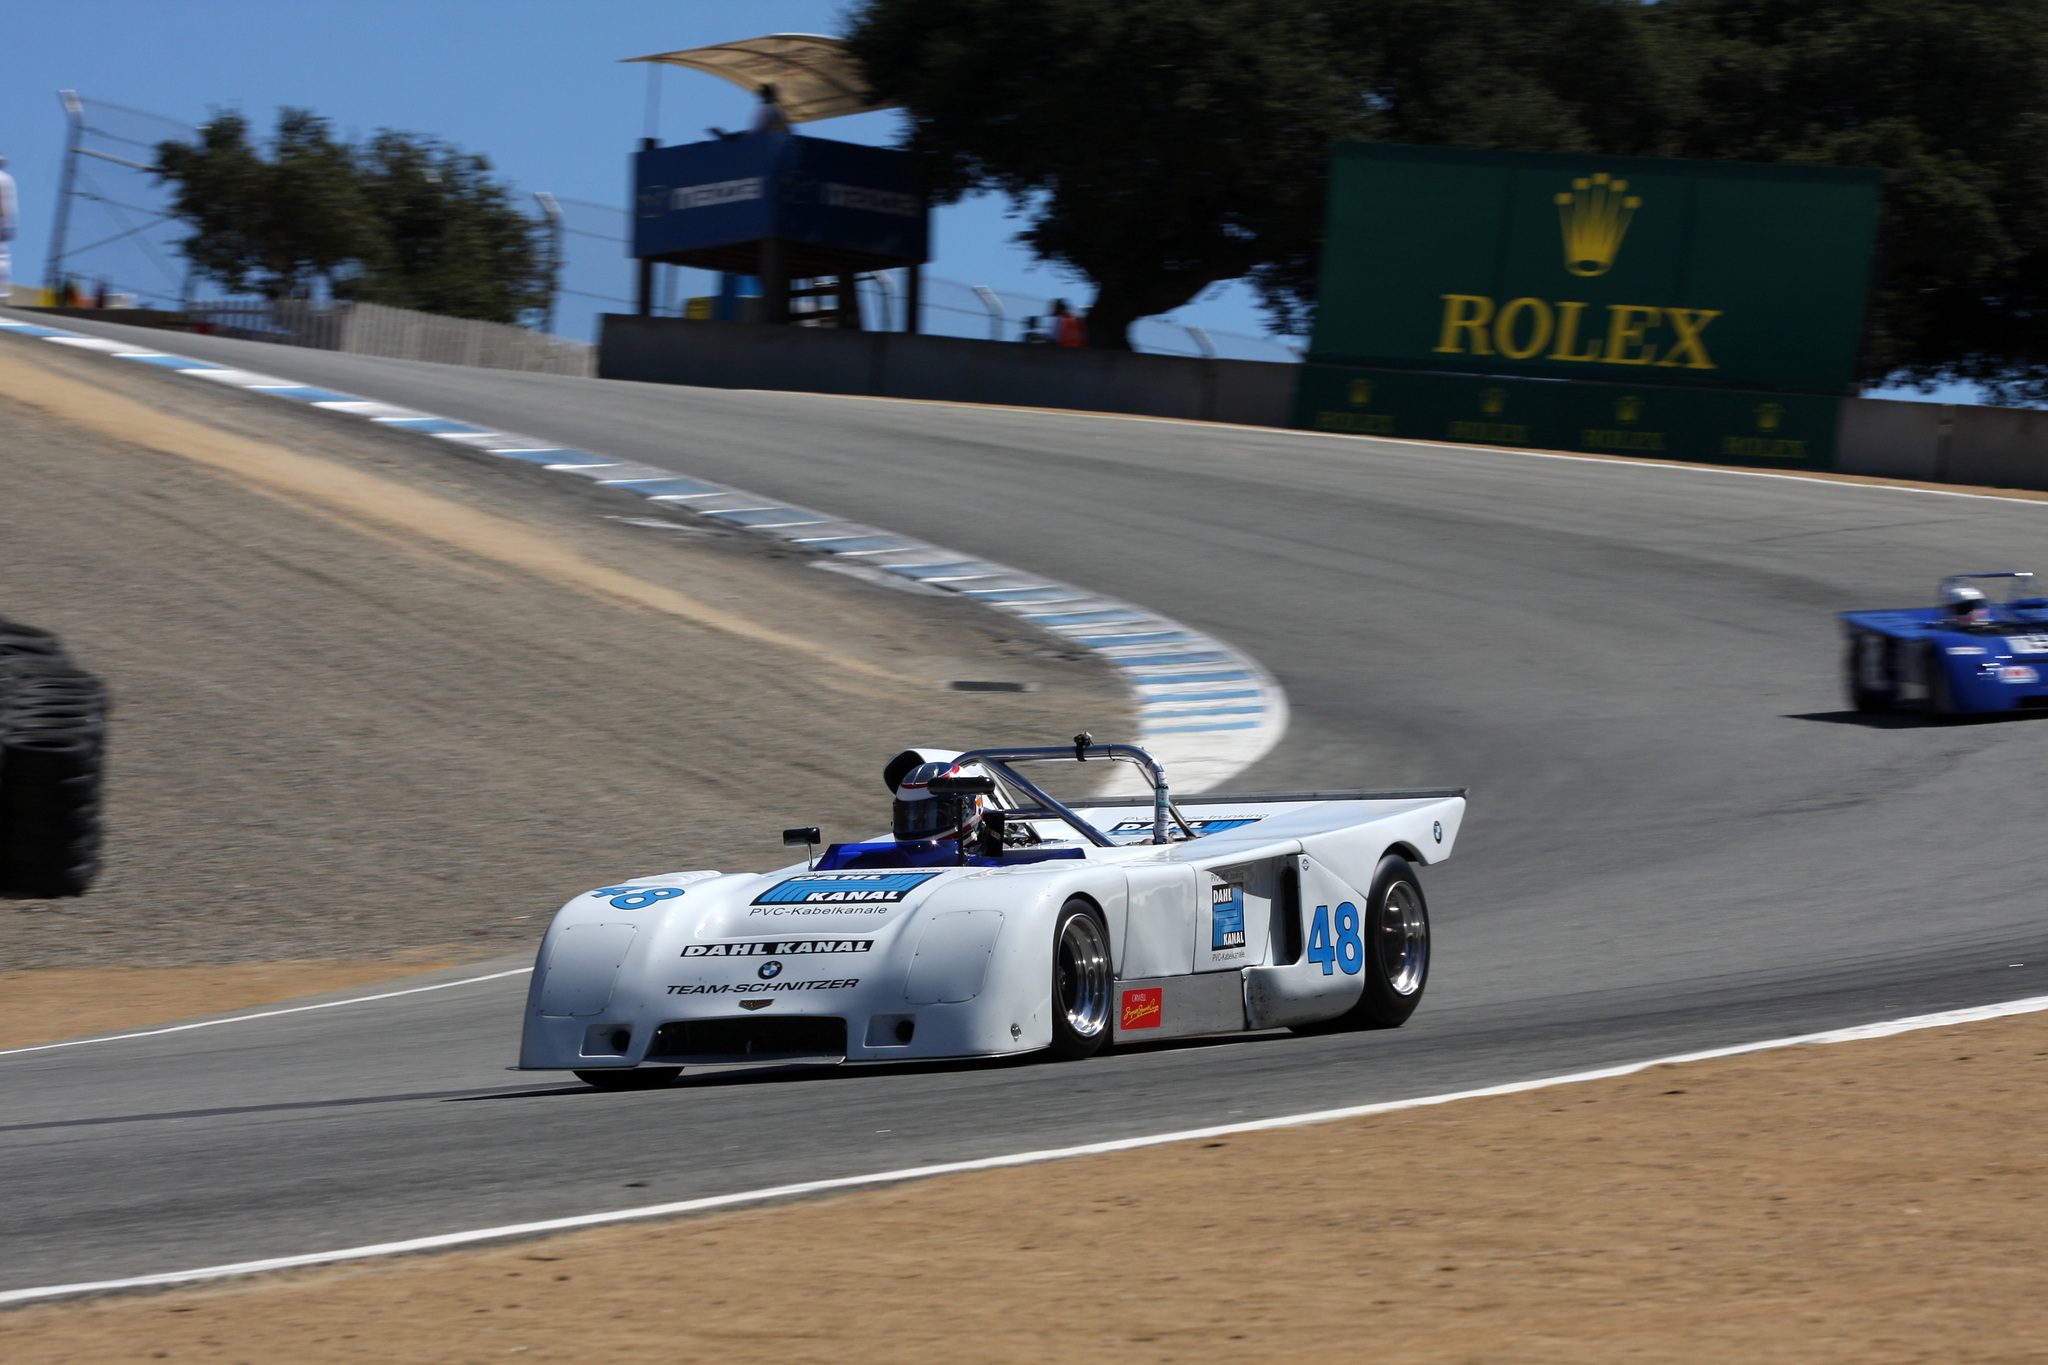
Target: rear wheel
column 1083, row 982
column 630, row 1077
column 1396, row 946
column 1867, row 675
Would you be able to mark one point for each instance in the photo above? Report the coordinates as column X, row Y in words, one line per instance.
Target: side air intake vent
column 793, row 1035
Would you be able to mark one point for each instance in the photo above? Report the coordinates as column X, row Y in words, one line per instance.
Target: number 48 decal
column 1347, row 951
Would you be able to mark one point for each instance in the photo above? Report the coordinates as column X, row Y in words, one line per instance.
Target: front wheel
column 630, row 1077
column 1396, row 949
column 1083, row 982
column 1940, row 707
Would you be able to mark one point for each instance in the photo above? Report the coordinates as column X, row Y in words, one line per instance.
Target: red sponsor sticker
column 1141, row 1008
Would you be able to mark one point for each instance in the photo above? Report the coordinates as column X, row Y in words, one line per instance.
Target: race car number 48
column 1347, row 951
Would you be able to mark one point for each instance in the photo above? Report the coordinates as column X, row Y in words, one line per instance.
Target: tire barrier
column 53, row 741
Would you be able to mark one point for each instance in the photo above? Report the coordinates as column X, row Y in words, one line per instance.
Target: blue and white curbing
column 1206, row 710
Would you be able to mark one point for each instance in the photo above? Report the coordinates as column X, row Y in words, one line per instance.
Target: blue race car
column 1967, row 656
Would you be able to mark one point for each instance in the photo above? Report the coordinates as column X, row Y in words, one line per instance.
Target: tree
column 1155, row 145
column 449, row 240
column 400, row 220
column 269, row 226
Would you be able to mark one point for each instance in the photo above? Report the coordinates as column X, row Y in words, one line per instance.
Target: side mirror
column 804, row 837
column 962, row 786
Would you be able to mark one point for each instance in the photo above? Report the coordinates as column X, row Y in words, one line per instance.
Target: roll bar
column 1083, row 749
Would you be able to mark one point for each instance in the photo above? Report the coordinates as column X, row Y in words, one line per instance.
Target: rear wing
column 1228, row 826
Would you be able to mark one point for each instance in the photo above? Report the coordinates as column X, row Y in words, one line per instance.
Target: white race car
column 1000, row 920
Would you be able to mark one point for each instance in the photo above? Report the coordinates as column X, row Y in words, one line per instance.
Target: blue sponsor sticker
column 1226, row 916
column 844, row 888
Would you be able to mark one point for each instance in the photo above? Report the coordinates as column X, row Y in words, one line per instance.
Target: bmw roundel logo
column 1438, row 830
column 773, row 969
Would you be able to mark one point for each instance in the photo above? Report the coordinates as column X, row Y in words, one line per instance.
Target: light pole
column 74, row 113
column 996, row 315
column 556, row 228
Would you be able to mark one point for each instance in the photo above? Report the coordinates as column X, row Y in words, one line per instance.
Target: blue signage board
column 838, row 197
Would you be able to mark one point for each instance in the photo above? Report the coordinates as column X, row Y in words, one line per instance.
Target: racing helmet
column 1963, row 599
column 920, row 817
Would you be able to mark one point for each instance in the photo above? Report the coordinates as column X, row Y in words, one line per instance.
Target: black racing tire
column 1868, row 700
column 33, row 883
column 1083, row 982
column 50, row 826
column 1396, row 948
column 630, row 1077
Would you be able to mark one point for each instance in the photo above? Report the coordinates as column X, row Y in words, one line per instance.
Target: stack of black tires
column 53, row 742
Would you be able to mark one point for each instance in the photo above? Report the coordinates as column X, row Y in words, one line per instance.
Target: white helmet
column 922, row 817
column 1962, row 599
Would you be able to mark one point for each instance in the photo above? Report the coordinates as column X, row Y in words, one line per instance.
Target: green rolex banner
column 1722, row 426
column 1619, row 270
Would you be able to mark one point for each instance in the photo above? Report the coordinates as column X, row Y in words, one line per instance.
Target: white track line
column 266, row 1014
column 1856, row 1033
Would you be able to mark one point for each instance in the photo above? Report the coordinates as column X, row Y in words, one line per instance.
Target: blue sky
column 535, row 85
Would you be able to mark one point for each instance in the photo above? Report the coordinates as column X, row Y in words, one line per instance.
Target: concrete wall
column 1938, row 442
column 1899, row 440
column 1944, row 442
column 738, row 355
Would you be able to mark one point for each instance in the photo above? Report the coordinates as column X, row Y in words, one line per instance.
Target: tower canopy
column 813, row 76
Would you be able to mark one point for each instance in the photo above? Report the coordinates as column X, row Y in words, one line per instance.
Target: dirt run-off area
column 49, row 1004
column 1872, row 1201
column 376, row 695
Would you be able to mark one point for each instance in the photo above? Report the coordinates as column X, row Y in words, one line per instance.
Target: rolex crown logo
column 1628, row 408
column 1493, row 402
column 1360, row 392
column 1594, row 216
column 1769, row 415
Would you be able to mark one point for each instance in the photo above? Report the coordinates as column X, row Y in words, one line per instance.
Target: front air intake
column 750, row 1037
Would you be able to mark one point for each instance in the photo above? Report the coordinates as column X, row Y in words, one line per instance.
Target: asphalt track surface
column 1677, row 838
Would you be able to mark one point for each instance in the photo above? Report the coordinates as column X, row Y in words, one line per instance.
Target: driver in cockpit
column 935, row 829
column 1963, row 604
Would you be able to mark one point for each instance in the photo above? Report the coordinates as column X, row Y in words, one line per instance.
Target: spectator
column 768, row 115
column 1067, row 328
column 9, row 217
column 1032, row 335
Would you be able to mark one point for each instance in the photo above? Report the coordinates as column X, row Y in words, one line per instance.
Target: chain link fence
column 114, row 234
column 395, row 333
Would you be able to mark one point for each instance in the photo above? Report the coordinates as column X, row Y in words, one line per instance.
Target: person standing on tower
column 768, row 115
